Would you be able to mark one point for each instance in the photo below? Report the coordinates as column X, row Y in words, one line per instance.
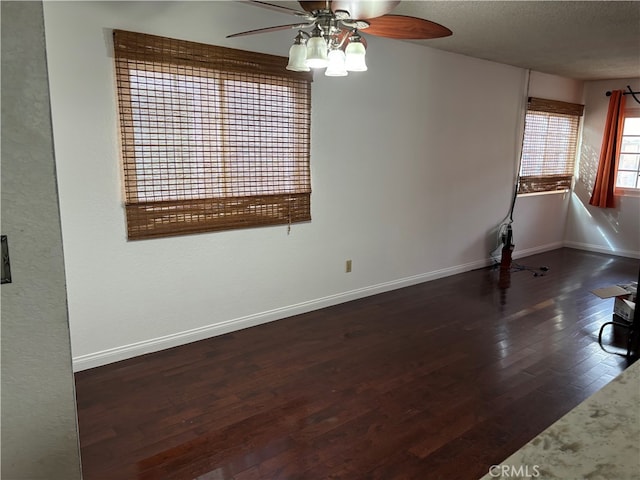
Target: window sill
column 627, row 192
column 535, row 194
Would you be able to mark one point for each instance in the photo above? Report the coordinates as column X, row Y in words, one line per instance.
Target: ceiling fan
column 335, row 41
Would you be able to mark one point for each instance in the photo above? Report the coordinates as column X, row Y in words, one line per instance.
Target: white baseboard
column 529, row 251
column 601, row 249
column 535, row 250
column 91, row 360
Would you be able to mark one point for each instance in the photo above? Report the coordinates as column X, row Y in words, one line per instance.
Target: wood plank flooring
column 436, row 381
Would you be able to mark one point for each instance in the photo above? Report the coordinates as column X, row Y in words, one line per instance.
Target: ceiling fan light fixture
column 355, row 55
column 337, row 65
column 298, row 56
column 335, row 24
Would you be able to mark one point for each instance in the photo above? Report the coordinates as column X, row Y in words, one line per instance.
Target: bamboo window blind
column 549, row 145
column 212, row 138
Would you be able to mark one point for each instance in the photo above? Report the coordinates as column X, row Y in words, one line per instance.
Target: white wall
column 609, row 230
column 540, row 219
column 412, row 170
column 39, row 427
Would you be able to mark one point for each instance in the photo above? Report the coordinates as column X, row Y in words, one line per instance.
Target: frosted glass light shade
column 336, row 67
column 317, row 52
column 298, row 58
column 355, row 53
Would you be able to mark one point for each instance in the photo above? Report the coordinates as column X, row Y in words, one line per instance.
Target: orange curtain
column 602, row 195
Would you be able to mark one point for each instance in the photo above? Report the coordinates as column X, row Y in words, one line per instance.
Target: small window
column 628, row 173
column 212, row 138
column 549, row 145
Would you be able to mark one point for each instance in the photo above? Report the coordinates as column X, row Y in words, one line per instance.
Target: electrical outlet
column 348, row 267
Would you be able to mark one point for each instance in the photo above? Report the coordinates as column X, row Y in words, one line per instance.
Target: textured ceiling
column 586, row 40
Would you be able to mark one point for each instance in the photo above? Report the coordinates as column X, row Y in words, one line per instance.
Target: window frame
column 187, row 212
column 549, row 183
column 625, row 191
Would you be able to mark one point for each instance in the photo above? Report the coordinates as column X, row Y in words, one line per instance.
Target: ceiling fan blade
column 271, row 29
column 404, row 27
column 278, row 8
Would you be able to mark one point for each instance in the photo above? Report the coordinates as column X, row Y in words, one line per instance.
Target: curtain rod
column 630, row 92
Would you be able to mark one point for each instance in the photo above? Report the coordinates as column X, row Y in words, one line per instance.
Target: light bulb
column 336, row 67
column 298, row 58
column 355, row 53
column 317, row 52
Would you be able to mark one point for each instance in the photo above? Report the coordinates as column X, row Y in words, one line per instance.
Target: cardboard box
column 625, row 295
column 624, row 308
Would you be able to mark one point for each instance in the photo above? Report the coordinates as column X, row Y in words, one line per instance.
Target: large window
column 549, row 145
column 212, row 138
column 628, row 174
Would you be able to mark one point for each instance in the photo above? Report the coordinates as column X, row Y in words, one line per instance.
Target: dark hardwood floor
column 436, row 381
